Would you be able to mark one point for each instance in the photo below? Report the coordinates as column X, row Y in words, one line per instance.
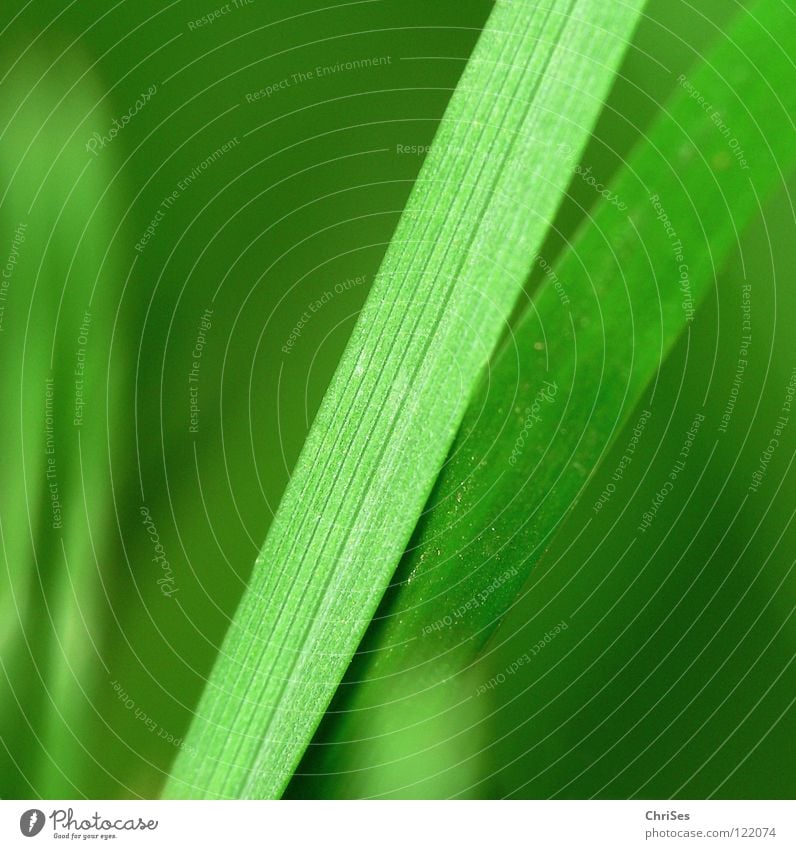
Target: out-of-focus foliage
column 253, row 261
column 443, row 294
column 577, row 366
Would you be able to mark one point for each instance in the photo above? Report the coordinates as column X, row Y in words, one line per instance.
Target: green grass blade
column 522, row 112
column 58, row 306
column 559, row 393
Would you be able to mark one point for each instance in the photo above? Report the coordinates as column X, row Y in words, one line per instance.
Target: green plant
column 60, row 303
column 575, row 373
column 603, row 210
column 518, row 120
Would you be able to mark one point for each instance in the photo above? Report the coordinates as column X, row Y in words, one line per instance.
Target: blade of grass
column 525, row 105
column 558, row 395
column 55, row 497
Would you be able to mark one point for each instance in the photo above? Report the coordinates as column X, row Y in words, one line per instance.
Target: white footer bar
column 398, row 825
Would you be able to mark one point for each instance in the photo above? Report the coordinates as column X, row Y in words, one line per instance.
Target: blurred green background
column 163, row 384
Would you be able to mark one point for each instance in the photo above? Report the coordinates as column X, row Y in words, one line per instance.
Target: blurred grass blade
column 555, row 401
column 522, row 111
column 58, row 305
